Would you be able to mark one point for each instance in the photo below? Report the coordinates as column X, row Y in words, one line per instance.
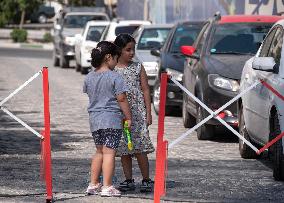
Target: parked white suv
column 86, row 41
column 260, row 110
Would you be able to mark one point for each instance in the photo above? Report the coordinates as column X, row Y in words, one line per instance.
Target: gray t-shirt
column 102, row 88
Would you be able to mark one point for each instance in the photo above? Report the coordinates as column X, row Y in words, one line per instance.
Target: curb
column 48, row 46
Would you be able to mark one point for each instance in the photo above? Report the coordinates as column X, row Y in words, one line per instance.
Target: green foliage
column 82, row 2
column 47, row 37
column 19, row 35
column 10, row 10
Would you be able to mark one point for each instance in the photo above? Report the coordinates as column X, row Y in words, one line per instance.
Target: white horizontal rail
column 213, row 114
column 21, row 122
column 20, row 88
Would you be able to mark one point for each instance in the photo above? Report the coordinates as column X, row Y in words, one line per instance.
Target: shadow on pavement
column 16, row 139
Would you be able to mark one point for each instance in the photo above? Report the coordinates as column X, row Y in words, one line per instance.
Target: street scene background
column 197, row 171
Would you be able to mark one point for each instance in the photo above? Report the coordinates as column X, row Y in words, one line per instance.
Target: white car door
column 255, row 101
column 264, row 97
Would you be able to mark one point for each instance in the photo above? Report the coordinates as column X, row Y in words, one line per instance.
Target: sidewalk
column 8, row 43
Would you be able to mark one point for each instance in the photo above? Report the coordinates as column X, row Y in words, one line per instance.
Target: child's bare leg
column 96, row 165
column 108, row 165
column 126, row 162
column 143, row 163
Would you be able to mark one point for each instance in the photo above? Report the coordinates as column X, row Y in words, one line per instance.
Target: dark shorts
column 108, row 137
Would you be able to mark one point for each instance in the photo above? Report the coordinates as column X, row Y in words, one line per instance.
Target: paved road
column 198, row 171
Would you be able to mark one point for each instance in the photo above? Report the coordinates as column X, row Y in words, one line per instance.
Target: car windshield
column 95, row 33
column 129, row 29
column 153, row 38
column 184, row 35
column 79, row 21
column 238, row 38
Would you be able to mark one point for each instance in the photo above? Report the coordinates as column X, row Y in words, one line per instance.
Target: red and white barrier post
column 161, row 150
column 46, row 141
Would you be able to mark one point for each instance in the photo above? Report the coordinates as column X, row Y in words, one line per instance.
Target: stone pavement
column 198, row 171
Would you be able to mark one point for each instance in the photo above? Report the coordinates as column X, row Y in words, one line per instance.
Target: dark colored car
column 214, row 66
column 42, row 14
column 171, row 61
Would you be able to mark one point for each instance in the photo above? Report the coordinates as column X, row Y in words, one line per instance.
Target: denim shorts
column 108, row 137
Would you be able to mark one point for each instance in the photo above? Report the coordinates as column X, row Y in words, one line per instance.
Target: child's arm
column 123, row 103
column 146, row 92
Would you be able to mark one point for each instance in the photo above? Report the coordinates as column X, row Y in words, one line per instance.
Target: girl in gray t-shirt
column 108, row 105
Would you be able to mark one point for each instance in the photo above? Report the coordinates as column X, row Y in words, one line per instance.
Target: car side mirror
column 155, row 52
column 189, row 51
column 265, row 64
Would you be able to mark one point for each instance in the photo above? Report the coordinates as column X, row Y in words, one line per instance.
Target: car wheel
column 278, row 157
column 78, row 67
column 206, row 131
column 84, row 70
column 245, row 151
column 55, row 59
column 64, row 62
column 42, row 18
column 156, row 100
column 188, row 120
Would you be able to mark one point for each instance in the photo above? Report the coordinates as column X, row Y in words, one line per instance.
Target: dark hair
column 103, row 48
column 123, row 39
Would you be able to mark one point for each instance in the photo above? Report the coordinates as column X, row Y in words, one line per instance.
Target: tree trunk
column 22, row 19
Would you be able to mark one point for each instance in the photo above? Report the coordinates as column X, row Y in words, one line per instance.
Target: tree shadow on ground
column 16, row 139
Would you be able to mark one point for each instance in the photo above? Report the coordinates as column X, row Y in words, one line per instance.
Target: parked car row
column 226, row 58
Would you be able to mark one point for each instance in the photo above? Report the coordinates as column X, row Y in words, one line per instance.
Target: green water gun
column 127, row 132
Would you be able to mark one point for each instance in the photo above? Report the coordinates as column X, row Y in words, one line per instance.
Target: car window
column 95, row 33
column 152, row 38
column 276, row 46
column 185, row 34
column 267, row 43
column 239, row 38
column 79, row 21
column 129, row 29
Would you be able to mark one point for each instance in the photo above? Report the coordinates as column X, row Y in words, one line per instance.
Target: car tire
column 188, row 120
column 245, row 151
column 42, row 18
column 277, row 150
column 84, row 70
column 78, row 67
column 64, row 62
column 156, row 100
column 206, row 131
column 55, row 59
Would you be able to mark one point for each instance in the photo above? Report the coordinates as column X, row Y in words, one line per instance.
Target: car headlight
column 69, row 41
column 175, row 74
column 223, row 83
column 87, row 49
column 151, row 68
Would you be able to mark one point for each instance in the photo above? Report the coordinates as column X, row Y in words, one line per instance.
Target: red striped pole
column 161, row 145
column 47, row 147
